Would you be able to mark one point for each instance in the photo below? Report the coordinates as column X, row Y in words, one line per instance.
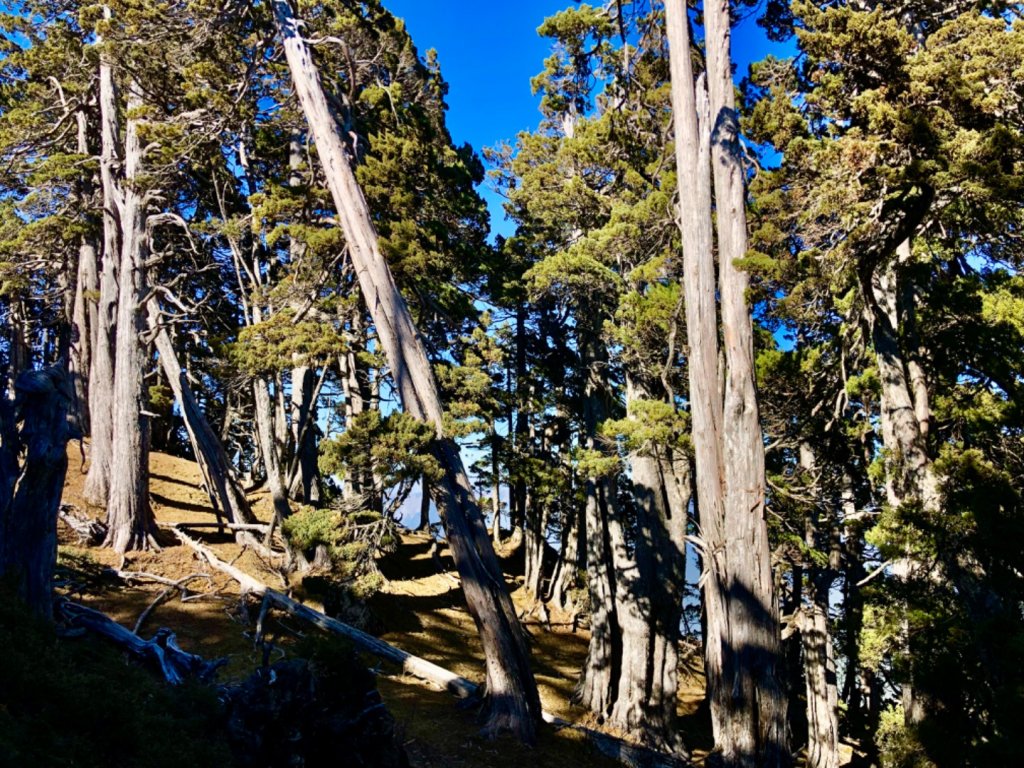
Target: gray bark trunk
column 129, row 516
column 101, row 374
column 87, row 284
column 743, row 635
column 268, row 448
column 513, row 704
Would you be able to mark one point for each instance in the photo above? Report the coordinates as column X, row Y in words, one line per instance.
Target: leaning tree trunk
column 743, row 635
column 129, row 516
column 30, row 494
column 227, row 497
column 513, row 703
column 101, row 374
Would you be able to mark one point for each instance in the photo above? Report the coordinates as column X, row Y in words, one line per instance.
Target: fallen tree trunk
column 161, row 650
column 618, row 749
column 414, row 665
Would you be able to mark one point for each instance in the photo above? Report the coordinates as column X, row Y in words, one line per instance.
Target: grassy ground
column 419, row 610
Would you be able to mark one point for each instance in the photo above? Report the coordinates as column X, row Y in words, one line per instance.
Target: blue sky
column 488, row 53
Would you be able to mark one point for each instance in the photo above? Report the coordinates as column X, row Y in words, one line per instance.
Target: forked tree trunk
column 748, row 704
column 129, row 516
column 30, row 493
column 101, row 374
column 513, row 704
column 227, row 497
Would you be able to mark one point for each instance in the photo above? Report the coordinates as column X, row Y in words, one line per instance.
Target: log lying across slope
column 628, row 754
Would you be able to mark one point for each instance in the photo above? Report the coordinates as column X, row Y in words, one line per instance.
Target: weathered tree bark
column 101, row 374
column 228, row 499
column 87, row 283
column 305, row 486
column 161, row 650
column 905, row 417
column 816, row 638
column 649, row 589
column 512, row 703
column 596, row 688
column 129, row 516
column 268, row 448
column 30, row 493
column 743, row 636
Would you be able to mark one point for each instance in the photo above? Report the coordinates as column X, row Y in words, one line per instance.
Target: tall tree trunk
column 816, row 637
column 129, row 516
column 596, row 690
column 743, row 636
column 513, row 704
column 101, row 374
column 268, row 448
column 87, row 283
column 905, row 413
column 227, row 497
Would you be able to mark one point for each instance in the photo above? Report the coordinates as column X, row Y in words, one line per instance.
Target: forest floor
column 419, row 610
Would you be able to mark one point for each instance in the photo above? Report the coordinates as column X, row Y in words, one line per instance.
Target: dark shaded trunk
column 30, row 493
column 597, row 687
column 424, row 524
column 305, row 483
column 512, row 702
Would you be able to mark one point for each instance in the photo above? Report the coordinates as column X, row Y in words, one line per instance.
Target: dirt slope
column 419, row 610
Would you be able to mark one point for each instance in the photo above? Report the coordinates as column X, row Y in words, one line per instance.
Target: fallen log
column 162, row 650
column 414, row 665
column 90, row 532
column 629, row 754
column 258, row 527
column 248, row 583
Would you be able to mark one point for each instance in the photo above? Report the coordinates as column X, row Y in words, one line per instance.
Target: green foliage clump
column 897, row 745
